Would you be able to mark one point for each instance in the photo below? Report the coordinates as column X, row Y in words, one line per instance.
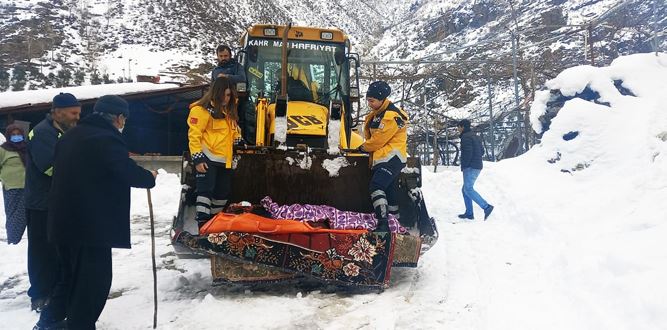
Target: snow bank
column 590, row 206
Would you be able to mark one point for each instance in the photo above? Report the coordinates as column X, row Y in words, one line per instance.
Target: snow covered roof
column 34, row 100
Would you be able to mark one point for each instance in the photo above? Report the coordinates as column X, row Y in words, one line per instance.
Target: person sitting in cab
column 386, row 134
column 213, row 130
column 299, row 87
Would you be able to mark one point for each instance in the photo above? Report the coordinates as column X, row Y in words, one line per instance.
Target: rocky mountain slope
column 65, row 42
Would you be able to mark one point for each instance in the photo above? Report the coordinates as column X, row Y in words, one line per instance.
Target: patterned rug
column 362, row 260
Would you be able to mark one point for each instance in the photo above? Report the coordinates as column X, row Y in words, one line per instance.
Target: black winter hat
column 112, row 104
column 378, row 90
column 65, row 100
column 465, row 123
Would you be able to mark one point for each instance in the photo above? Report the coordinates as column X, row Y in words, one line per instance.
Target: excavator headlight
column 336, row 110
column 324, row 35
column 270, row 32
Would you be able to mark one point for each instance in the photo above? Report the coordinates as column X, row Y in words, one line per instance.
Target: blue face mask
column 16, row 138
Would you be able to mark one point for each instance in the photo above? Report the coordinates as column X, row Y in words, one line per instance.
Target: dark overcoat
column 89, row 201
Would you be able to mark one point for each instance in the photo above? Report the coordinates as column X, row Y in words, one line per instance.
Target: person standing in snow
column 89, row 213
column 212, row 134
column 386, row 134
column 13, row 156
column 43, row 268
column 471, row 166
column 227, row 67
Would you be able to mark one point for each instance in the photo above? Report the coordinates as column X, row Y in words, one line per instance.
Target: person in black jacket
column 471, row 165
column 89, row 212
column 227, row 67
column 43, row 270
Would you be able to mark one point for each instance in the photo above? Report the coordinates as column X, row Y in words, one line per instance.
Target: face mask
column 16, row 138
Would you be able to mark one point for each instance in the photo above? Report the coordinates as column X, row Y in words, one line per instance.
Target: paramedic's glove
column 200, row 162
column 240, row 144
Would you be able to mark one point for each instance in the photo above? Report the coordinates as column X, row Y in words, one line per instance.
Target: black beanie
column 465, row 123
column 112, row 104
column 378, row 90
column 65, row 100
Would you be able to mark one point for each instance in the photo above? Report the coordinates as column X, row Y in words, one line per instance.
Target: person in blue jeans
column 471, row 166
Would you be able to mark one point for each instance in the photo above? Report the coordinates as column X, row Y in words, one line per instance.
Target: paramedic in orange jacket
column 212, row 134
column 385, row 130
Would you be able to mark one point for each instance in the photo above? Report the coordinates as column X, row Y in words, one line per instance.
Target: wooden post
column 436, row 149
column 590, row 43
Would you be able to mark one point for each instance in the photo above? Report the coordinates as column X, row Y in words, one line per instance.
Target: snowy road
column 511, row 272
column 418, row 297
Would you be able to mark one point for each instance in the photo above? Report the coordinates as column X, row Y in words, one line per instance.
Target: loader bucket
column 300, row 177
column 294, row 177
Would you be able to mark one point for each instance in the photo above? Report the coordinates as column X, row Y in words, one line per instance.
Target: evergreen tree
column 79, row 77
column 106, row 79
column 50, row 79
column 18, row 78
column 4, row 79
column 64, row 78
column 35, row 79
column 95, row 78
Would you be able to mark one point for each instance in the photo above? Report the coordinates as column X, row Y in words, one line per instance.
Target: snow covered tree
column 64, row 77
column 79, row 77
column 95, row 78
column 18, row 78
column 50, row 79
column 35, row 78
column 106, row 79
column 4, row 79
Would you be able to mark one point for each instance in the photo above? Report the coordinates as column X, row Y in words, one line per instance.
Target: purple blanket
column 319, row 213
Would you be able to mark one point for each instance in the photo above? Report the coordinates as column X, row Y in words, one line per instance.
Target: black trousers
column 83, row 288
column 213, row 190
column 384, row 188
column 43, row 266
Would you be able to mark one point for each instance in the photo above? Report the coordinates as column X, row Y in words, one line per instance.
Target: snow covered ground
column 582, row 248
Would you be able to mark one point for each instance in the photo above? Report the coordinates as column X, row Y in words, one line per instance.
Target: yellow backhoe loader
column 299, row 109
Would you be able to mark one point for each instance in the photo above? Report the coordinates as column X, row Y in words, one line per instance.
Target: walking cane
column 150, row 212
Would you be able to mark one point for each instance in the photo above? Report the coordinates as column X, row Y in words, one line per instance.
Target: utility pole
column 590, row 43
column 491, row 128
column 447, row 161
column 436, row 150
column 519, row 118
column 129, row 69
column 655, row 27
column 530, row 138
